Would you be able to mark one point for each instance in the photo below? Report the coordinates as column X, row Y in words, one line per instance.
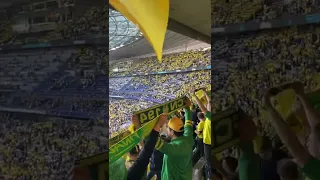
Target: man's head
column 266, row 148
column 134, row 152
column 201, row 116
column 288, row 170
column 175, row 127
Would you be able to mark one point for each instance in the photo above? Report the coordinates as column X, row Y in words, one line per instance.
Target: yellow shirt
column 131, row 128
column 200, row 129
column 207, row 129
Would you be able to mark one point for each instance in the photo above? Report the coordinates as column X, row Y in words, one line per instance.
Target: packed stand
column 175, row 61
column 249, row 66
column 93, row 22
column 261, row 61
column 157, row 89
column 238, row 11
column 118, row 83
column 120, row 113
column 5, row 31
column 44, row 147
column 82, row 75
column 169, row 85
column 39, row 80
column 78, row 108
column 24, row 70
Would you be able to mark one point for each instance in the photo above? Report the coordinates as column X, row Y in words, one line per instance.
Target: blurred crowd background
column 225, row 12
column 255, row 62
column 53, row 101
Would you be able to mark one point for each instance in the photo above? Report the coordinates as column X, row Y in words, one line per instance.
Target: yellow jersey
column 207, row 129
column 200, row 129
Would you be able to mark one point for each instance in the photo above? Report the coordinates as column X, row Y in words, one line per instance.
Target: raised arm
column 208, row 100
column 136, row 125
column 139, row 167
column 188, row 126
column 286, row 135
column 200, row 104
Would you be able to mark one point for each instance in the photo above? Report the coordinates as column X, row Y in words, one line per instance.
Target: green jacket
column 177, row 160
column 249, row 168
column 311, row 169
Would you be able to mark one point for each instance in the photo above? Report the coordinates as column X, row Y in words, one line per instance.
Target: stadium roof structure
column 121, row 31
column 188, row 23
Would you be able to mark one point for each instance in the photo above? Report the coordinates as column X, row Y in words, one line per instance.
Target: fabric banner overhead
column 151, row 17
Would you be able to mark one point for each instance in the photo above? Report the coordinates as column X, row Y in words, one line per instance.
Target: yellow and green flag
column 151, row 17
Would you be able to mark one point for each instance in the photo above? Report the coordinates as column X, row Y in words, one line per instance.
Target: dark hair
column 287, row 169
column 135, row 150
column 231, row 162
column 182, row 113
column 178, row 134
column 200, row 115
column 266, row 144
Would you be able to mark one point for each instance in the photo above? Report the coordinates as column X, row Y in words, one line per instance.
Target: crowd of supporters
column 171, row 147
column 260, row 61
column 155, row 89
column 42, row 147
column 238, row 11
column 93, row 22
column 5, row 31
column 120, row 113
column 170, row 62
column 60, row 83
column 247, row 66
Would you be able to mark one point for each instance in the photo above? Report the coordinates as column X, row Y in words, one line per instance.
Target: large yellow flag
column 151, row 17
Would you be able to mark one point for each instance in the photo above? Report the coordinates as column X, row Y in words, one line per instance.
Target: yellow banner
column 284, row 102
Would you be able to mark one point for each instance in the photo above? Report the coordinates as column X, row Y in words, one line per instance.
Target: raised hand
column 163, row 119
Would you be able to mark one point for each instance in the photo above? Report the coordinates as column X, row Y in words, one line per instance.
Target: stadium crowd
column 155, row 89
column 93, row 22
column 162, row 87
column 238, row 11
column 120, row 113
column 47, row 81
column 265, row 60
column 174, row 61
column 149, row 90
column 172, row 151
column 66, row 82
column 248, row 65
column 56, row 81
column 44, row 147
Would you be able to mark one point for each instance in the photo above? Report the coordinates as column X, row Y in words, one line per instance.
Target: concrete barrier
column 197, row 172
